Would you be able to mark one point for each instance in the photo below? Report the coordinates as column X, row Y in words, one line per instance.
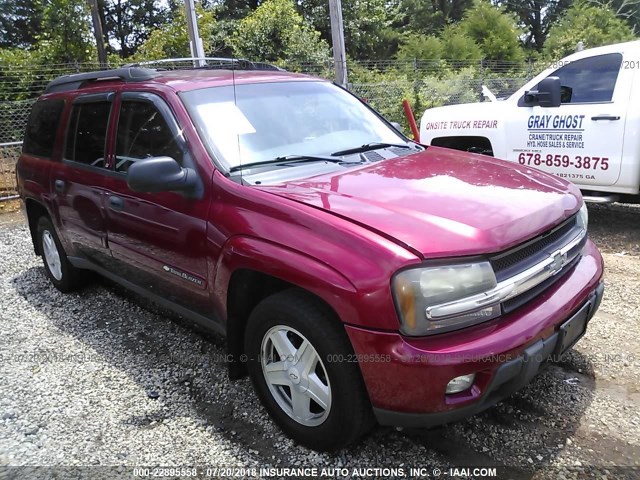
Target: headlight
column 442, row 298
column 583, row 216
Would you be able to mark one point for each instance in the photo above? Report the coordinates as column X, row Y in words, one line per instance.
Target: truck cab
column 575, row 120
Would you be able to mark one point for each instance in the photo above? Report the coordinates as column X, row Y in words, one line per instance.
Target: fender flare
column 279, row 261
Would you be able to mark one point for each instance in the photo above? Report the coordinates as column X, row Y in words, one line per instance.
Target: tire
column 332, row 406
column 64, row 276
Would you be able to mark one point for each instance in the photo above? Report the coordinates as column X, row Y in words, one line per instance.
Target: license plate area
column 571, row 330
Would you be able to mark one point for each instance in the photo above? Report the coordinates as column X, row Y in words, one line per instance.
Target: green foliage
column 66, row 32
column 494, row 31
column 593, row 25
column 369, row 28
column 172, row 40
column 20, row 22
column 459, row 45
column 416, row 46
column 130, row 23
column 276, row 32
column 451, row 89
column 429, row 18
column 536, row 17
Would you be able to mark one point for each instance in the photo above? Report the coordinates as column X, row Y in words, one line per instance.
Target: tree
column 536, row 17
column 66, row 32
column 590, row 24
column 452, row 44
column 20, row 22
column 172, row 39
column 368, row 25
column 627, row 9
column 128, row 23
column 276, row 32
column 429, row 18
column 494, row 31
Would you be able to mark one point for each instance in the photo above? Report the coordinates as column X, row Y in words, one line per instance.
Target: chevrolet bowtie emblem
column 557, row 262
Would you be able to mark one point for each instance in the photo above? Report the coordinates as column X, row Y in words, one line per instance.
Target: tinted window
column 87, row 133
column 591, row 79
column 142, row 133
column 42, row 127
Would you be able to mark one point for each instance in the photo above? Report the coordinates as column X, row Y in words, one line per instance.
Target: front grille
column 525, row 297
column 513, row 261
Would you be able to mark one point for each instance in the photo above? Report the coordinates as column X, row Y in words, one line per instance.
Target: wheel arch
column 252, row 269
column 35, row 210
column 467, row 143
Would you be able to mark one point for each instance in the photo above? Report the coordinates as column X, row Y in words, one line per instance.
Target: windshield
column 271, row 120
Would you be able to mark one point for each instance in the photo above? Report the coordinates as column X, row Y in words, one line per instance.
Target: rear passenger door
column 157, row 239
column 77, row 182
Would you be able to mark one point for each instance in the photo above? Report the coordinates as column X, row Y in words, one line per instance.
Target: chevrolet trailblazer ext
column 362, row 276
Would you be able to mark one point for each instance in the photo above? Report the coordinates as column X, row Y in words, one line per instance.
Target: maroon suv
column 357, row 275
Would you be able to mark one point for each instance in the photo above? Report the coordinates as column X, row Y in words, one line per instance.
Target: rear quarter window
column 40, row 135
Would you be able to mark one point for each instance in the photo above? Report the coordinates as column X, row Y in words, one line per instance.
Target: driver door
column 581, row 140
column 157, row 240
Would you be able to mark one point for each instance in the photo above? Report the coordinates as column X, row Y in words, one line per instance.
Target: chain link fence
column 382, row 83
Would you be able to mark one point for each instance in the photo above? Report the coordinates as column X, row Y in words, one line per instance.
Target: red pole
column 412, row 121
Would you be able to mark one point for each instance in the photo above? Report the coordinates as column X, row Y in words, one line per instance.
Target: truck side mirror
column 547, row 94
column 162, row 174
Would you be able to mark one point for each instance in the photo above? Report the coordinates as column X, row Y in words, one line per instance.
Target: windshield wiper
column 370, row 146
column 287, row 159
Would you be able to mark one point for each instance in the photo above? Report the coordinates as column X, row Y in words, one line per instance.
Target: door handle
column 116, row 203
column 59, row 184
column 605, row 117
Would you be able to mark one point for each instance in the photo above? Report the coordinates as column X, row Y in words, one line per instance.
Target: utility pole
column 195, row 42
column 337, row 38
column 97, row 32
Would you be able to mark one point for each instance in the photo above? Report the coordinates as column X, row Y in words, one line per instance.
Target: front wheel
column 299, row 363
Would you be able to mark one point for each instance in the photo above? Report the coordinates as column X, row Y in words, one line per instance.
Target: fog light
column 460, row 384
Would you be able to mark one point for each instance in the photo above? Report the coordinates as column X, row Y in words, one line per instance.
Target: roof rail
column 73, row 81
column 212, row 62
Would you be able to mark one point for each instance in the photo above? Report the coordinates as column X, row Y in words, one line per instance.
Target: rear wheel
column 64, row 276
column 299, row 365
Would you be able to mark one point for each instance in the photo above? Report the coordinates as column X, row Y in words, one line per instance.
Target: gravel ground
column 102, row 377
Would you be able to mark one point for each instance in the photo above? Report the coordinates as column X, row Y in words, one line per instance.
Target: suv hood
column 442, row 202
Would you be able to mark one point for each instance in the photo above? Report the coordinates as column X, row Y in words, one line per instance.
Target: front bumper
column 407, row 380
column 509, row 377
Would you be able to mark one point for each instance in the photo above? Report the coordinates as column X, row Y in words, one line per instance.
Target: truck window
column 589, row 80
column 143, row 133
column 87, row 133
column 42, row 126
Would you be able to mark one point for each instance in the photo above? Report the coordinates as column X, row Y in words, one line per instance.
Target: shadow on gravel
column 185, row 370
column 615, row 228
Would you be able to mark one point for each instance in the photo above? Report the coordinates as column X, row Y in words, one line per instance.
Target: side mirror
column 162, row 174
column 547, row 94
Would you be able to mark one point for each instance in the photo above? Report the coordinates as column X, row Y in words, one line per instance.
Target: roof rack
column 73, row 81
column 212, row 62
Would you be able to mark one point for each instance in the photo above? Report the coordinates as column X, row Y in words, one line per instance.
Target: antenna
column 235, row 103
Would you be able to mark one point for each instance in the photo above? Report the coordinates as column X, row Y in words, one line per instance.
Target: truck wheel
column 298, row 363
column 64, row 276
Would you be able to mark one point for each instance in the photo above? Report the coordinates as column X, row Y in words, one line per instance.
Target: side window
column 42, row 127
column 589, row 80
column 87, row 133
column 142, row 133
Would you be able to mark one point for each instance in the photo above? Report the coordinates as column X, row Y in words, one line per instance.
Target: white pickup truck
column 579, row 119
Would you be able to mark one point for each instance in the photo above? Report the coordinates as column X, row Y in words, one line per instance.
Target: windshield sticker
column 225, row 117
